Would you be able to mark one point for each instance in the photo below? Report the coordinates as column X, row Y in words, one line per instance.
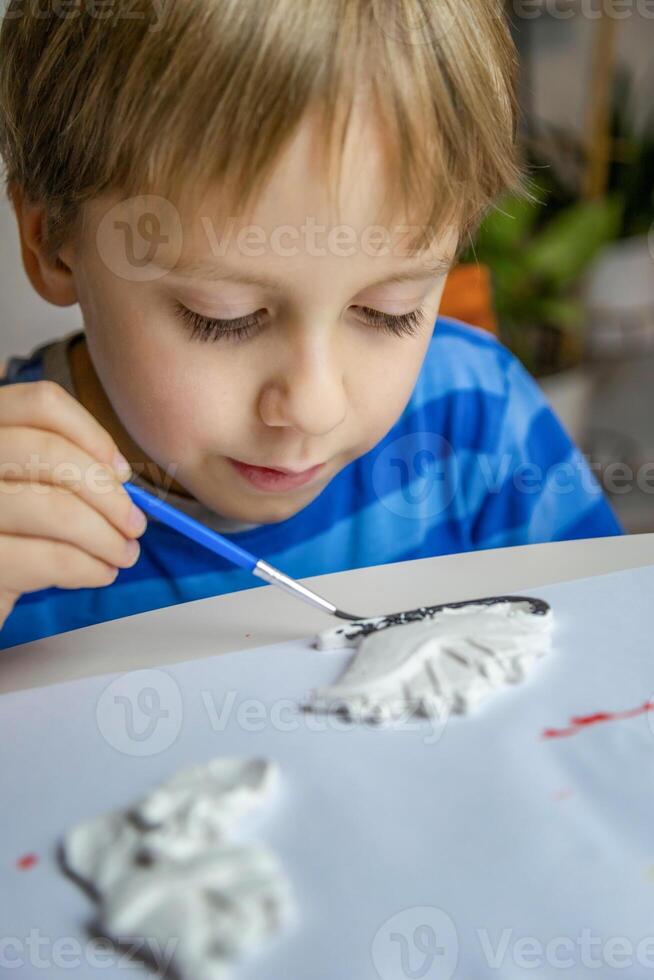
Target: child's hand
column 65, row 518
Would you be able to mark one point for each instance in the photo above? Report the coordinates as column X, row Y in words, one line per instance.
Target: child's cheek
column 179, row 412
column 174, row 400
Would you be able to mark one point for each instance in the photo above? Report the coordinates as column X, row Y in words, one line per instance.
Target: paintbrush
column 222, row 546
column 195, row 531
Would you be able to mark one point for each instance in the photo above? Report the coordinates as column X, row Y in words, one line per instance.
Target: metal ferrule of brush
column 274, row 577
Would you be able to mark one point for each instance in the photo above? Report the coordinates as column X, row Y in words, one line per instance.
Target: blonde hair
column 215, row 89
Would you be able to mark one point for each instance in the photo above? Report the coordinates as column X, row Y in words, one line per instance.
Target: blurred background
column 565, row 281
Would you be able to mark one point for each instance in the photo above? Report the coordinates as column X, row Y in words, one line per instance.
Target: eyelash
column 205, row 328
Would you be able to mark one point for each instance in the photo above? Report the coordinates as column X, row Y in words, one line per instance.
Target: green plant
column 631, row 171
column 538, row 252
column 536, row 256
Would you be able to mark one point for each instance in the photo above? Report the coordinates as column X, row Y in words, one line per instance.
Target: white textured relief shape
column 167, row 868
column 435, row 660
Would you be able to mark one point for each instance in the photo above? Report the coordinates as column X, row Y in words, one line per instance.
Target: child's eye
column 406, row 325
column 206, row 328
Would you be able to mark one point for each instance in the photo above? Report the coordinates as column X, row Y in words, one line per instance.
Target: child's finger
column 38, row 457
column 46, row 405
column 53, row 512
column 37, row 563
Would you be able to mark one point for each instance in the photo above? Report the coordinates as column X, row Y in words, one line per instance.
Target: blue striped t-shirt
column 476, row 460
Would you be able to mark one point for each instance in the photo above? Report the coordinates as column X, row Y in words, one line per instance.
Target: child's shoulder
column 464, row 357
column 24, row 368
column 474, row 391
column 48, row 360
column 449, row 326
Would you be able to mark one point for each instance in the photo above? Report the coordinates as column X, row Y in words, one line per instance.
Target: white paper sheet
column 470, row 849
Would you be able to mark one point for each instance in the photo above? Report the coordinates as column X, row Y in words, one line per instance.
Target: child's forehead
column 302, row 186
column 202, row 239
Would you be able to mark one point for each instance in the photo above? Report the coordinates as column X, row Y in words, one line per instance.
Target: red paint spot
column 562, row 794
column 584, row 721
column 26, row 862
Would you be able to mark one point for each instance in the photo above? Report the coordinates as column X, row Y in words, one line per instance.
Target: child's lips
column 275, row 480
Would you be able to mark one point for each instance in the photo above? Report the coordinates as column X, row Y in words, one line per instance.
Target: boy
column 170, row 171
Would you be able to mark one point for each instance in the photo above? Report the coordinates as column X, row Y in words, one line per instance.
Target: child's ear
column 52, row 278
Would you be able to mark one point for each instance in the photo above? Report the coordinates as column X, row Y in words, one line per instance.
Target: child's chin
column 273, row 508
column 256, row 508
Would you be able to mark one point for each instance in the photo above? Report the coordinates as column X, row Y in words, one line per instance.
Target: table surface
column 264, row 615
column 382, row 832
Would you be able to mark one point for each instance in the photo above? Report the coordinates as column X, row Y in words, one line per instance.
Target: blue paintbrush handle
column 189, row 527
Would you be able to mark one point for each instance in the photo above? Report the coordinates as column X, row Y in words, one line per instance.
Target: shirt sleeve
column 538, row 486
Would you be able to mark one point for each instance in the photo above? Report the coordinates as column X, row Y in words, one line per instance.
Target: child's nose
column 311, row 397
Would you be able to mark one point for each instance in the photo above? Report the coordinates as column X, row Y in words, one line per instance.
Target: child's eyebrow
column 212, row 272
